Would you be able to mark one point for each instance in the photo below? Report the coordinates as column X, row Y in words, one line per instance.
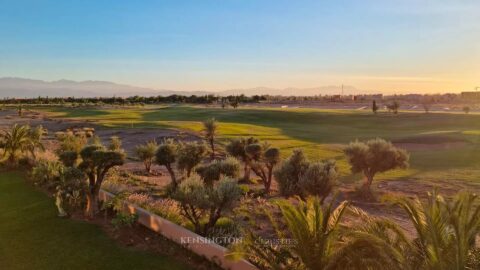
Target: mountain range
column 29, row 88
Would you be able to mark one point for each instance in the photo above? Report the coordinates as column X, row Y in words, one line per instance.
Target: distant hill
column 21, row 88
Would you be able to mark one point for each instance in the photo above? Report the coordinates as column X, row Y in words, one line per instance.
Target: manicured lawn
column 321, row 133
column 33, row 237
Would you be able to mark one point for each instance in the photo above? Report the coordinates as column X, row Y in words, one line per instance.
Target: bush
column 123, row 219
column 115, row 144
column 215, row 170
column 319, row 179
column 47, row 173
column 69, row 142
column 289, row 173
column 72, row 189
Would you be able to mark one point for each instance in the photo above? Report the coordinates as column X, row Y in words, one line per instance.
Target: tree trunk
column 268, row 183
column 172, row 176
column 246, row 173
column 92, row 205
column 148, row 166
column 367, row 184
column 212, row 145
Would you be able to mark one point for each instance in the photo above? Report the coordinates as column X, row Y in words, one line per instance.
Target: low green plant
column 124, row 220
column 47, row 173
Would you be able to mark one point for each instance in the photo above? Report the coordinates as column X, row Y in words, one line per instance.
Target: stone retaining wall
column 182, row 236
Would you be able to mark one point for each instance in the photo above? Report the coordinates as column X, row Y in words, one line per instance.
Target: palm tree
column 308, row 243
column 20, row 139
column 210, row 131
column 446, row 230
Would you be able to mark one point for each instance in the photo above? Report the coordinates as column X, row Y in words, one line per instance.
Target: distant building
column 470, row 95
column 368, row 97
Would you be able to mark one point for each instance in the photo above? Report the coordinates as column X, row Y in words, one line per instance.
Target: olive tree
column 210, row 132
column 236, row 148
column 96, row 162
column 263, row 160
column 214, row 170
column 374, row 156
column 146, row 153
column 166, row 155
column 202, row 204
column 189, row 155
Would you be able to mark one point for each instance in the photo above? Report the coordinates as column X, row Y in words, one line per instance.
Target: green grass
column 321, row 133
column 33, row 237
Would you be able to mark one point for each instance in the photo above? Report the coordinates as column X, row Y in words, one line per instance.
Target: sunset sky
column 389, row 46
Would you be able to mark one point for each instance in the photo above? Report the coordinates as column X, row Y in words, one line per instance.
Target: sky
column 384, row 46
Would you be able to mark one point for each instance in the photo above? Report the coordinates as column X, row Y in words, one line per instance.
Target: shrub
column 124, row 219
column 71, row 143
column 72, row 189
column 190, row 154
column 319, row 179
column 115, row 144
column 289, row 173
column 146, row 153
column 215, row 170
column 47, row 173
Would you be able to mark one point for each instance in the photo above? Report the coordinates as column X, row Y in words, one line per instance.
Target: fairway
column 323, row 133
column 33, row 237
